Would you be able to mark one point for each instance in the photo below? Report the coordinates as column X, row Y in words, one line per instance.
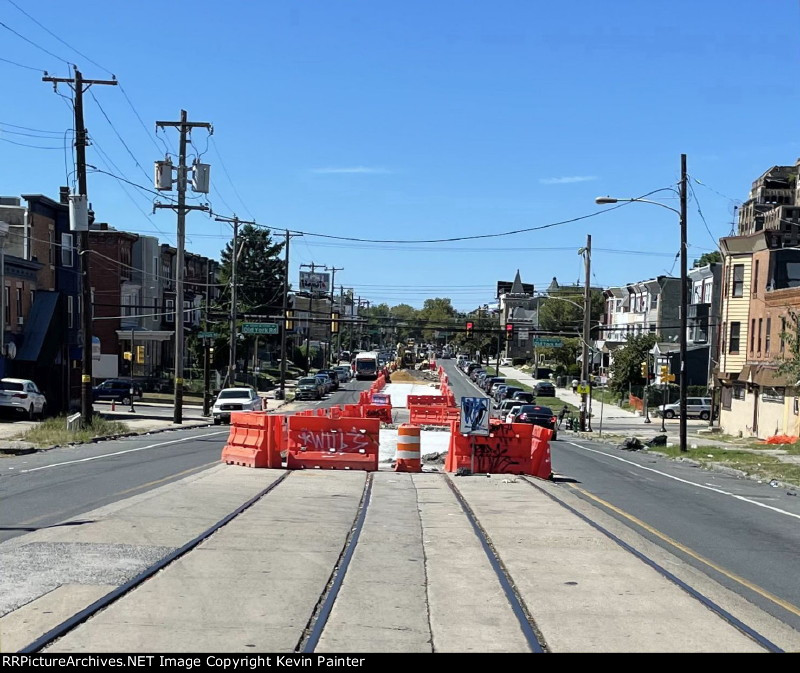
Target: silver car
column 695, row 406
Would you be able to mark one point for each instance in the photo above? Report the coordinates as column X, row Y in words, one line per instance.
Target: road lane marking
column 163, row 479
column 690, row 552
column 691, row 483
column 119, row 453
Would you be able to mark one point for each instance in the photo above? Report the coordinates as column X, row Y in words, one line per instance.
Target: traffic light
column 334, row 323
column 140, row 355
column 470, row 327
column 644, row 370
column 127, row 355
column 289, row 321
column 509, row 329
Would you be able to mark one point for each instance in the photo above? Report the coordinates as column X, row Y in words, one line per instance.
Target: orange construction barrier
column 325, row 443
column 518, row 448
column 353, row 411
column 426, row 400
column 434, row 415
column 253, row 440
column 408, row 455
column 780, row 439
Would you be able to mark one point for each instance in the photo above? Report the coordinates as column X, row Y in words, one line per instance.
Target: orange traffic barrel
column 408, row 457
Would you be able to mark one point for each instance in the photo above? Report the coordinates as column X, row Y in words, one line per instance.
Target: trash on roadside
column 774, row 483
column 658, row 440
column 709, row 455
column 463, row 472
column 791, row 493
column 631, row 444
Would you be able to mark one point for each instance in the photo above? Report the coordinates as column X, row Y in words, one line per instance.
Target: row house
column 761, row 297
column 40, row 287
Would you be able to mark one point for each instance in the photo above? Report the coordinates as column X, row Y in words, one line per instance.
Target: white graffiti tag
column 353, row 441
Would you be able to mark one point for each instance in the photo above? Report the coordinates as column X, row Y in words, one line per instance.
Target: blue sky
column 422, row 120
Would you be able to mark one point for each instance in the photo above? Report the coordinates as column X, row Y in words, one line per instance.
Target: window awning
column 36, row 347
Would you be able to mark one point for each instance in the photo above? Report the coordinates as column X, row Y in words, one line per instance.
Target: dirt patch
column 410, row 376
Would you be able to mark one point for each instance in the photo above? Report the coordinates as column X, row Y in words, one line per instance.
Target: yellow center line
column 163, row 479
column 686, row 550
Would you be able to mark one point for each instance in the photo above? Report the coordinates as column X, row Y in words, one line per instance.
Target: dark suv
column 118, row 390
column 333, row 376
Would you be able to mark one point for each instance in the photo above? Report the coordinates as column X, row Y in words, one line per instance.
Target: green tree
column 559, row 313
column 708, row 258
column 626, row 369
column 789, row 365
column 439, row 313
column 565, row 357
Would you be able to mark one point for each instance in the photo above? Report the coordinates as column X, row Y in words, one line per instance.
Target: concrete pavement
column 419, row 579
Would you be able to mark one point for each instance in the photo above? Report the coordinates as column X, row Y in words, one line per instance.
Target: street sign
column 583, row 389
column 259, row 328
column 474, row 416
column 545, row 342
column 207, row 335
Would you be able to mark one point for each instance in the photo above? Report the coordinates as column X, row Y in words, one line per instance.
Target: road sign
column 544, row 342
column 474, row 416
column 207, row 335
column 260, row 328
column 668, row 378
column 583, row 388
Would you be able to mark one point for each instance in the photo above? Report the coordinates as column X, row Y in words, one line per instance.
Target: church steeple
column 516, row 287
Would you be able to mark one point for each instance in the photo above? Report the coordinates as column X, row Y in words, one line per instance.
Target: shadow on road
column 30, row 529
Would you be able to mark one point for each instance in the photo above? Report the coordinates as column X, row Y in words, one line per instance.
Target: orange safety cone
column 408, row 457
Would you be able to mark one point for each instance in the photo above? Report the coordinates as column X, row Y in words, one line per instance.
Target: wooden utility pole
column 285, row 320
column 184, row 128
column 310, row 321
column 77, row 84
column 684, row 311
column 333, row 271
column 587, row 311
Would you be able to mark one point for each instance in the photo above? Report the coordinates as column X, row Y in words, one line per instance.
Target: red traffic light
column 469, row 325
column 509, row 327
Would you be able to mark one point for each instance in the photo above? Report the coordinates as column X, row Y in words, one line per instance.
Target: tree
column 626, row 368
column 708, row 258
column 439, row 312
column 558, row 313
column 259, row 278
column 565, row 356
column 789, row 365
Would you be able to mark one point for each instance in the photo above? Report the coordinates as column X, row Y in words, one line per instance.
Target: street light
column 603, row 200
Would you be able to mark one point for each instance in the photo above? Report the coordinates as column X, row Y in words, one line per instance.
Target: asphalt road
column 743, row 534
column 46, row 488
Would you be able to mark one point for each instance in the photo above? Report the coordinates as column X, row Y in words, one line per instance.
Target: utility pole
column 184, row 128
column 587, row 309
column 333, row 271
column 77, row 84
column 230, row 377
column 285, row 314
column 310, row 322
column 206, row 354
column 684, row 310
column 341, row 315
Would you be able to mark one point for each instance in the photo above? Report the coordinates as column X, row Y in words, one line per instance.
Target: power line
column 702, row 217
column 28, row 128
column 22, row 37
column 20, row 65
column 38, row 147
column 227, row 175
column 144, row 126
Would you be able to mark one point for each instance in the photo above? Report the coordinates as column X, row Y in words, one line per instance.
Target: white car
column 22, row 396
column 343, row 373
column 512, row 412
column 234, row 399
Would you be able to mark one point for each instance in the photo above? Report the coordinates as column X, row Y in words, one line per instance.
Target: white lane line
column 119, row 453
column 691, row 483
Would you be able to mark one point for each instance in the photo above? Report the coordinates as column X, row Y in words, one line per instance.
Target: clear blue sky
column 419, row 120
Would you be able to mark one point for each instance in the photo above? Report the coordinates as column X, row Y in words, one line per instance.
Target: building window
column 652, row 327
column 760, row 325
column 738, row 391
column 752, row 334
column 797, row 406
column 737, row 289
column 773, row 394
column 767, row 336
column 19, row 302
column 653, row 301
column 32, row 295
column 8, row 304
column 70, row 312
column 725, row 397
column 169, row 308
column 66, row 250
column 755, row 281
column 51, row 244
column 733, row 341
column 783, row 332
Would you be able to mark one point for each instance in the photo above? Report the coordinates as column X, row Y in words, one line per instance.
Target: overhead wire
column 38, row 46
column 213, row 142
column 22, row 65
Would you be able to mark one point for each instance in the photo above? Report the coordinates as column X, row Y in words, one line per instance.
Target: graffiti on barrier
column 352, row 441
column 494, row 454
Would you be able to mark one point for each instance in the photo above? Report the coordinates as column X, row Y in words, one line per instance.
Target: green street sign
column 207, row 335
column 260, row 328
column 543, row 342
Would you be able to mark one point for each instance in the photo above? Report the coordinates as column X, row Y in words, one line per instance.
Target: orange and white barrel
column 408, row 458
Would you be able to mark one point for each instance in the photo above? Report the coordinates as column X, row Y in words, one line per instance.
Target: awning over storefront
column 36, row 346
column 765, row 376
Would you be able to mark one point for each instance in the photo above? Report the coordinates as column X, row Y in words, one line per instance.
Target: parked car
column 475, row 373
column 524, row 397
column 234, row 399
column 309, row 388
column 537, row 415
column 22, row 396
column 512, row 413
column 343, row 373
column 506, row 362
column 493, row 388
column 509, row 391
column 327, row 384
column 118, row 390
column 333, row 376
column 471, row 367
column 498, row 392
column 545, row 389
column 695, row 406
column 501, row 410
column 490, row 381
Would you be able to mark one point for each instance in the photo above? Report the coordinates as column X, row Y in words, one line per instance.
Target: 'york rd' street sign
column 543, row 342
column 259, row 328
